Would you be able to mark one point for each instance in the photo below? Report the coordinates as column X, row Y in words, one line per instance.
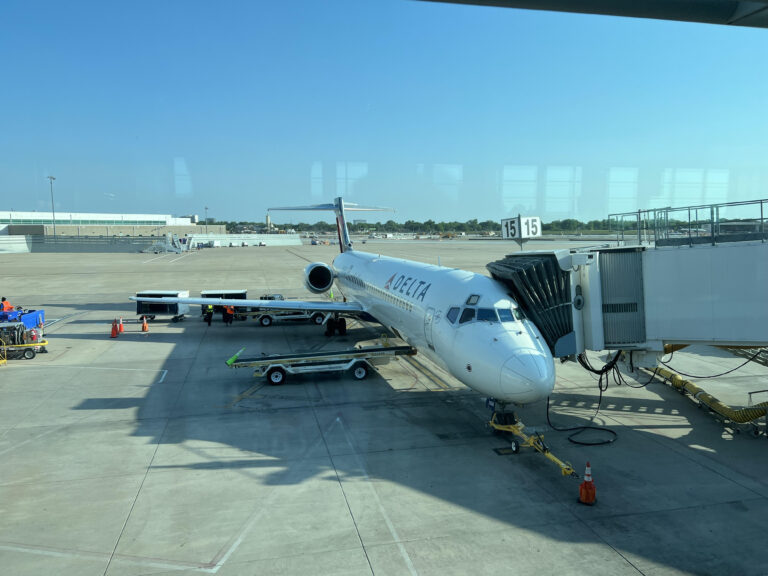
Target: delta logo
column 408, row 285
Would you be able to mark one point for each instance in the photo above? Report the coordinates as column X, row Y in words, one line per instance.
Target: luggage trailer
column 241, row 312
column 150, row 310
column 359, row 361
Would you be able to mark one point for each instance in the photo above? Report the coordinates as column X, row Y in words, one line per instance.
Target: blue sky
column 440, row 111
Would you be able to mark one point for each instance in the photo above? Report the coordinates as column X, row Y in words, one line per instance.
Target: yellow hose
column 740, row 416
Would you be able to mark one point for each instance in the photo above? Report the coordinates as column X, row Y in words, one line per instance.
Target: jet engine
column 318, row 277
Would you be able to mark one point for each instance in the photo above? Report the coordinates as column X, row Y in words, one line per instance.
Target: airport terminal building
column 92, row 232
column 92, row 224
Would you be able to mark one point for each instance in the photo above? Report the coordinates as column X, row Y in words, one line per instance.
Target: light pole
column 53, row 208
column 206, row 219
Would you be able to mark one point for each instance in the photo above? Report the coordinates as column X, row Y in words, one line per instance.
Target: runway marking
column 387, row 521
column 59, row 366
column 59, row 428
column 247, row 394
column 101, row 556
column 156, row 258
column 297, row 255
column 28, row 440
column 220, row 559
column 180, row 257
column 52, row 321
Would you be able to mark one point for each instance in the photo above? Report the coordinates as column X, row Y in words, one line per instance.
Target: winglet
column 234, row 358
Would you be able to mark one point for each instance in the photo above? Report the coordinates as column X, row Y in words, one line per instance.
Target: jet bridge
column 644, row 298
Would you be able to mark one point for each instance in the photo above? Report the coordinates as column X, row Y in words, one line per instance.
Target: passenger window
column 487, row 315
column 453, row 313
column 467, row 315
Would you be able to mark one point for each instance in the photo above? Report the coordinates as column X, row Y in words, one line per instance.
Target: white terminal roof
column 86, row 218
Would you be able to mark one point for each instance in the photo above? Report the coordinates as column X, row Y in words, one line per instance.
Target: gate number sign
column 520, row 227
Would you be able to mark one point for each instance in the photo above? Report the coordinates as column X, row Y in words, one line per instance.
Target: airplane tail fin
column 338, row 207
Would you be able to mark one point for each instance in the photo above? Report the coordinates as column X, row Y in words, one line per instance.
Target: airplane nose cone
column 528, row 377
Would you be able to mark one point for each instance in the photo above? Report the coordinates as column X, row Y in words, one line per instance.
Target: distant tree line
column 427, row 227
column 568, row 225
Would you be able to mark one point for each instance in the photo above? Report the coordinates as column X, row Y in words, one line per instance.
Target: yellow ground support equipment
column 738, row 416
column 3, row 359
column 535, row 441
column 27, row 351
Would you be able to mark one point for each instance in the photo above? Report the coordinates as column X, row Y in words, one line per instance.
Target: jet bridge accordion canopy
column 542, row 290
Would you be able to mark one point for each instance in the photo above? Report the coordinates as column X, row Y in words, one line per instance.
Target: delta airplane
column 465, row 322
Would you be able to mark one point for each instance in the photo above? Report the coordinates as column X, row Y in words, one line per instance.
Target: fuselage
column 463, row 321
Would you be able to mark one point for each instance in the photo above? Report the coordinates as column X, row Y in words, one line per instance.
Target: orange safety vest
column 7, row 306
column 229, row 309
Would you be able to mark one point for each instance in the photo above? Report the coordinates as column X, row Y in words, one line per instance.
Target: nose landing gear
column 507, row 424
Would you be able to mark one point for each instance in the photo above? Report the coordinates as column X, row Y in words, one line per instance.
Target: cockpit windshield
column 509, row 314
column 487, row 315
column 467, row 315
column 471, row 314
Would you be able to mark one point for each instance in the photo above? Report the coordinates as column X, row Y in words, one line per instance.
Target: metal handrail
column 711, row 227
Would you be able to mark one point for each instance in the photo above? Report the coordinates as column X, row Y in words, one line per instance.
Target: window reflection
column 519, row 188
column 622, row 190
column 562, row 191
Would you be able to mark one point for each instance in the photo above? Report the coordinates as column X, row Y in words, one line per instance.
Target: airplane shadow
column 436, row 442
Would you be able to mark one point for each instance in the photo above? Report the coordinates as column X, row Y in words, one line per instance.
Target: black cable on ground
column 580, row 429
column 602, row 385
column 611, row 369
column 714, row 375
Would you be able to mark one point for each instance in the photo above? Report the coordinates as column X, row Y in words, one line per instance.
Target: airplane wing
column 286, row 305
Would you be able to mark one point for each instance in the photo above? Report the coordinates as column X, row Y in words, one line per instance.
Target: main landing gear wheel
column 266, row 321
column 276, row 376
column 336, row 324
column 29, row 354
column 360, row 371
column 317, row 319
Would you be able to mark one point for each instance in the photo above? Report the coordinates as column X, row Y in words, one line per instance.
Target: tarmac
column 145, row 454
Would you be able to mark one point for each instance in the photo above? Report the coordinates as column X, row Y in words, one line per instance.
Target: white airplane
column 465, row 322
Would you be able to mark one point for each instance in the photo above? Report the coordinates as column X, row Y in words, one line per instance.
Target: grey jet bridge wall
column 642, row 298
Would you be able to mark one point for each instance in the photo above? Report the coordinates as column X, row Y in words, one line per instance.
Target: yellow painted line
column 246, row 394
column 428, row 373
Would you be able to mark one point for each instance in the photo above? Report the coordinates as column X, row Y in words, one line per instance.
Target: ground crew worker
column 5, row 306
column 229, row 314
column 208, row 313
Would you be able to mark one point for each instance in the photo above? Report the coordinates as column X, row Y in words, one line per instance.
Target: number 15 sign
column 521, row 227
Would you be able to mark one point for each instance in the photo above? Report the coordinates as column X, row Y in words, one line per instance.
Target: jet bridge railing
column 693, row 225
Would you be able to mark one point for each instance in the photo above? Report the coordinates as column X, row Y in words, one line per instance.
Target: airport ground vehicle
column 16, row 341
column 359, row 361
column 267, row 318
column 151, row 310
column 227, row 293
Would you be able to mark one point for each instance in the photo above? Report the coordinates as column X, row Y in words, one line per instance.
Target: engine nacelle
column 318, row 277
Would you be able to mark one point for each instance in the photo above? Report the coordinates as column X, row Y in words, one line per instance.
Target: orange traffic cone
column 587, row 493
column 120, row 326
column 114, row 329
column 144, row 325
